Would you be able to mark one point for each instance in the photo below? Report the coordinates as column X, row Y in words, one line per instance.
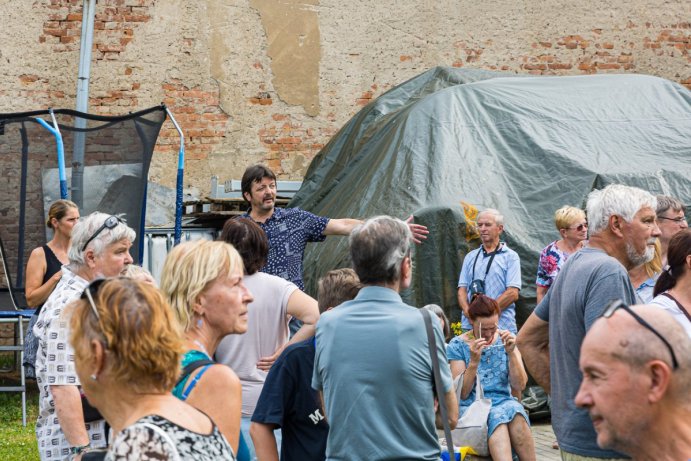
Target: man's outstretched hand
column 418, row 230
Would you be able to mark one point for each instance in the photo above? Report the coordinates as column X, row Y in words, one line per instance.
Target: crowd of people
column 205, row 367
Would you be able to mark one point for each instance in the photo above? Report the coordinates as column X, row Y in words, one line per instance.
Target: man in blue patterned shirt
column 290, row 229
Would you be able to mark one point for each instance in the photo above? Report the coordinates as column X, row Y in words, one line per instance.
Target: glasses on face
column 619, row 304
column 90, row 293
column 678, row 220
column 110, row 223
column 580, row 227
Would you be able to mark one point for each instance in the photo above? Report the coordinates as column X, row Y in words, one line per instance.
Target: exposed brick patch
column 114, row 25
column 200, row 117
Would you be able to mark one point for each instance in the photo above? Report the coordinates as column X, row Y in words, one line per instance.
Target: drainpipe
column 86, row 43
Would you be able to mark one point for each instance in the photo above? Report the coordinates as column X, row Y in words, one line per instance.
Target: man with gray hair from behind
column 623, row 230
column 372, row 361
column 636, row 365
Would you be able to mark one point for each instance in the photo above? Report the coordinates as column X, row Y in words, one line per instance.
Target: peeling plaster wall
column 264, row 81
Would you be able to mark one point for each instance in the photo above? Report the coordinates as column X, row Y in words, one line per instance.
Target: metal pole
column 79, row 141
column 178, row 185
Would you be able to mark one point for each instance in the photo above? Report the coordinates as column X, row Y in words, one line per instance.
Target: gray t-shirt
column 588, row 281
column 373, row 363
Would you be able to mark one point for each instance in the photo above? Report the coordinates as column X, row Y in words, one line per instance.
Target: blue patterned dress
column 494, row 376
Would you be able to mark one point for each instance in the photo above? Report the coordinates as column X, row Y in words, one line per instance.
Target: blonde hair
column 190, row 268
column 567, row 215
column 136, row 325
column 654, row 266
column 337, row 287
column 140, row 273
column 58, row 210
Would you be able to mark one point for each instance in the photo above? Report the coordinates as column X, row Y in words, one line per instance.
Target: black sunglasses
column 90, row 293
column 619, row 304
column 110, row 223
column 580, row 227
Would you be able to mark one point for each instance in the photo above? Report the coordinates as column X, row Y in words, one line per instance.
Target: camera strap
column 489, row 264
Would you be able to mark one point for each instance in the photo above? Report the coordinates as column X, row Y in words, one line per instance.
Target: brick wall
column 208, row 61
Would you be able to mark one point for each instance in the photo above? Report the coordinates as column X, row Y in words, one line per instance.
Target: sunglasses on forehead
column 110, row 223
column 619, row 304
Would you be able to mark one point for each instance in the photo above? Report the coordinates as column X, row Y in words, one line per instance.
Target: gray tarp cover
column 523, row 145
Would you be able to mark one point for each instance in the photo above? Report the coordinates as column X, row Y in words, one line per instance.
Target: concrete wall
column 269, row 81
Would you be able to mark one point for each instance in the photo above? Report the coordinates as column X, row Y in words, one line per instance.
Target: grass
column 17, row 443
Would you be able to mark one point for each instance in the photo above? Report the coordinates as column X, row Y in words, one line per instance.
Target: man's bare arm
column 508, row 297
column 533, row 341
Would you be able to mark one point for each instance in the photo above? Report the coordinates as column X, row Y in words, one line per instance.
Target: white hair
column 86, row 227
column 498, row 217
column 616, row 199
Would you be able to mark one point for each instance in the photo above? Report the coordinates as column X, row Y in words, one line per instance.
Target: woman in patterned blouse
column 128, row 346
column 573, row 228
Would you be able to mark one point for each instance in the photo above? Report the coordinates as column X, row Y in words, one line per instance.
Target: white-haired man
column 372, row 361
column 636, row 365
column 494, row 270
column 623, row 230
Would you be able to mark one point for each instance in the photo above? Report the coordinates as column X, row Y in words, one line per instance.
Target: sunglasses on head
column 110, row 223
column 619, row 304
column 90, row 293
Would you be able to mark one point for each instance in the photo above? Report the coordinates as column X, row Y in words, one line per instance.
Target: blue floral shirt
column 289, row 230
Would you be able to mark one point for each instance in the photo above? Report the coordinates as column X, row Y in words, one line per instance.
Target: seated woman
column 492, row 354
column 127, row 346
column 204, row 283
column 43, row 270
column 673, row 288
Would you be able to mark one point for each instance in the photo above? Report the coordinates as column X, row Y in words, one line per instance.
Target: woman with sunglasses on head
column 573, row 228
column 99, row 248
column 203, row 282
column 128, row 345
column 492, row 355
column 673, row 288
column 43, row 270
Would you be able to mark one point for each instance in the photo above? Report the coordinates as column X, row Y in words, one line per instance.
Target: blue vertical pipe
column 55, row 131
column 179, row 181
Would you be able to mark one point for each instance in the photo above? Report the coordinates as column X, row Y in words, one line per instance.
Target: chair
column 10, row 312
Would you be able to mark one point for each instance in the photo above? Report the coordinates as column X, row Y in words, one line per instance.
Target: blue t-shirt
column 289, row 230
column 289, row 401
column 588, row 281
column 373, row 363
column 504, row 272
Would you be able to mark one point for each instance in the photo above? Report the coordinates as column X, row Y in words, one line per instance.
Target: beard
column 638, row 259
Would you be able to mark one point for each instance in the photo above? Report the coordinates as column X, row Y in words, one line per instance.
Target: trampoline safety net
column 107, row 162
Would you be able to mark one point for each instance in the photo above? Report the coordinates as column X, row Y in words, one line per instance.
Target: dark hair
column 58, row 210
column 483, row 306
column 254, row 173
column 679, row 248
column 666, row 202
column 337, row 287
column 249, row 239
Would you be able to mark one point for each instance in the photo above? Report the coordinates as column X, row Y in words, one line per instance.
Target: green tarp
column 523, row 145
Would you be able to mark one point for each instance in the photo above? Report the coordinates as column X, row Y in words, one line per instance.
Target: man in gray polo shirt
column 623, row 230
column 372, row 361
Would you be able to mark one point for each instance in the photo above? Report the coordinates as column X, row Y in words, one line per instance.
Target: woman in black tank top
column 43, row 270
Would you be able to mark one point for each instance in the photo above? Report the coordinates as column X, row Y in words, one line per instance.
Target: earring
column 199, row 322
column 94, row 377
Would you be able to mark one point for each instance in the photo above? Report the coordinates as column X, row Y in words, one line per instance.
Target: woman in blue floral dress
column 573, row 229
column 492, row 355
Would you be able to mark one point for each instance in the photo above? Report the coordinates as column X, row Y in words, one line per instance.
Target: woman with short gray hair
column 66, row 426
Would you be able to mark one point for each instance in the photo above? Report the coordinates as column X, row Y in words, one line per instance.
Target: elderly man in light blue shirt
column 493, row 269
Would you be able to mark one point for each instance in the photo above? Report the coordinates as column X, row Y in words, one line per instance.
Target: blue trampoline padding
column 26, row 313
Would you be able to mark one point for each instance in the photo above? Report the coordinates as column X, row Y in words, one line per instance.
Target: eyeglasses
column 614, row 305
column 580, row 227
column 110, row 223
column 678, row 220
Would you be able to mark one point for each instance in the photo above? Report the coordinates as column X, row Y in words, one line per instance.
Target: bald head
column 626, row 340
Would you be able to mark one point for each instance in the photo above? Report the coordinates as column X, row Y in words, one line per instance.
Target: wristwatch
column 79, row 449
